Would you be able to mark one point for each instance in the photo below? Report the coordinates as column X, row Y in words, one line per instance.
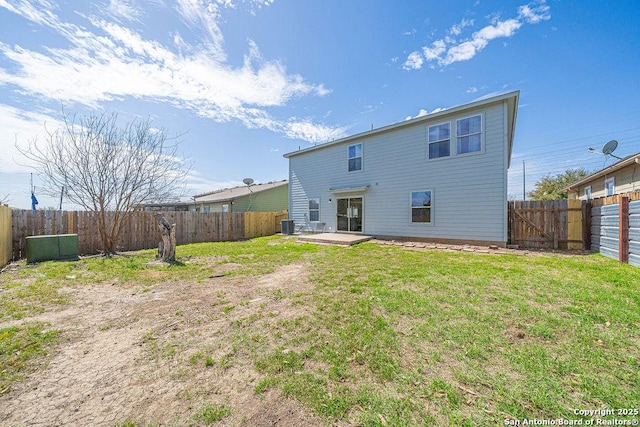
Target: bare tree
column 108, row 169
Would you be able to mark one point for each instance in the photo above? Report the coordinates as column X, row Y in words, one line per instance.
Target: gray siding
column 469, row 191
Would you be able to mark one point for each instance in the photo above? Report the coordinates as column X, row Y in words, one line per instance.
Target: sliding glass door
column 350, row 214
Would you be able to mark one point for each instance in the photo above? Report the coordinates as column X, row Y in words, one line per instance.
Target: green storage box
column 62, row 247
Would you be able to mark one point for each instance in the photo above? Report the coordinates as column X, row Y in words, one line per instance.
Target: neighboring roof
column 167, row 204
column 511, row 98
column 629, row 160
column 229, row 194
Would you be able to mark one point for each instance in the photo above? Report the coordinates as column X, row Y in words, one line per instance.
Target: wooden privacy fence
column 258, row 224
column 547, row 224
column 5, row 235
column 615, row 227
column 140, row 228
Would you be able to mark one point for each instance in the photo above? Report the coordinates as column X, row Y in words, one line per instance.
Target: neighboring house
column 621, row 177
column 178, row 206
column 269, row 197
column 440, row 177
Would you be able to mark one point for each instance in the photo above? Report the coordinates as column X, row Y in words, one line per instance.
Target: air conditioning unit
column 287, row 226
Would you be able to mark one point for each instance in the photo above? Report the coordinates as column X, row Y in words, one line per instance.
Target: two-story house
column 440, row 177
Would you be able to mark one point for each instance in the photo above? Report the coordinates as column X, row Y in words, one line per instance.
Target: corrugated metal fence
column 140, row 228
column 615, row 227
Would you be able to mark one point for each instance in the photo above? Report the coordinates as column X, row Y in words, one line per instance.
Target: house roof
column 229, row 194
column 511, row 98
column 629, row 160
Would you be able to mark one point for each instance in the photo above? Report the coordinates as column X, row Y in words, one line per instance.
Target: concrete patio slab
column 334, row 238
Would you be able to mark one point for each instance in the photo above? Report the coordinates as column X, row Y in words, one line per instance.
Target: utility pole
column 524, row 182
column 61, row 193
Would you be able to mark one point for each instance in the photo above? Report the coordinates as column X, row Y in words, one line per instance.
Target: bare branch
column 106, row 168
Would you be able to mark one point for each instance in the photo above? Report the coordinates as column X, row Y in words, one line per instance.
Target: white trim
column 453, row 138
column 422, row 119
column 317, row 199
column 505, row 176
column 611, row 180
column 481, row 133
column 439, row 140
column 361, row 157
column 355, row 196
column 411, row 207
column 345, row 190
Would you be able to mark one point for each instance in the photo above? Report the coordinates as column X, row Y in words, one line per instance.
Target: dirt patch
column 159, row 354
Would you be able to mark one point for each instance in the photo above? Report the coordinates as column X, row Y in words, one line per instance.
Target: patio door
column 350, row 214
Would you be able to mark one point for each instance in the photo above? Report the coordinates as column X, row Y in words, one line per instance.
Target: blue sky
column 245, row 81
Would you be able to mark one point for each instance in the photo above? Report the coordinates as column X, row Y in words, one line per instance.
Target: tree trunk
column 167, row 247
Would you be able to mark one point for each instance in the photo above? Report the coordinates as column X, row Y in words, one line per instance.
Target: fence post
column 556, row 227
column 575, row 234
column 586, row 229
column 623, row 232
column 6, row 235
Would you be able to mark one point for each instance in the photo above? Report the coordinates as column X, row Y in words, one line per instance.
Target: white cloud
column 456, row 30
column 106, row 61
column 472, row 89
column 21, row 127
column 123, row 9
column 313, row 132
column 467, row 50
column 422, row 112
column 414, row 61
column 449, row 50
column 534, row 12
column 197, row 184
column 437, row 48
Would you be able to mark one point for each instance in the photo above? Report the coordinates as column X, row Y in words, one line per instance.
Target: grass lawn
column 393, row 336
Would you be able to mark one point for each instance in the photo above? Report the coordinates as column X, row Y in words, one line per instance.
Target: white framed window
column 355, row 157
column 225, row 208
column 421, row 202
column 207, row 208
column 469, row 134
column 314, row 210
column 439, row 140
column 587, row 192
column 609, row 186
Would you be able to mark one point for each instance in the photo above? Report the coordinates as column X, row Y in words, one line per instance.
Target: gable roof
column 229, row 194
column 629, row 160
column 512, row 110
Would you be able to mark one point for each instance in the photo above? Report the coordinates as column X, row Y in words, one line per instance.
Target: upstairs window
column 609, row 186
column 421, row 206
column 469, row 134
column 439, row 140
column 355, row 157
column 314, row 210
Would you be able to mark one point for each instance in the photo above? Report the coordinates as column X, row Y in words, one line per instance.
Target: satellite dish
column 247, row 181
column 609, row 147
